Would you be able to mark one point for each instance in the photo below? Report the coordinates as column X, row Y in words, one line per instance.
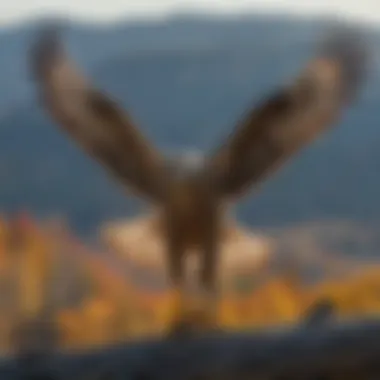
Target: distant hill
column 186, row 82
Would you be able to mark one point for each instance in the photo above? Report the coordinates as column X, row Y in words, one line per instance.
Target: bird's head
column 185, row 163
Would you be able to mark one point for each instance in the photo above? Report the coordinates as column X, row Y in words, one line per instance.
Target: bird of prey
column 191, row 195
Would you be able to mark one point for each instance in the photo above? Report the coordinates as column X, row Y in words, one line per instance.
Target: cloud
column 113, row 9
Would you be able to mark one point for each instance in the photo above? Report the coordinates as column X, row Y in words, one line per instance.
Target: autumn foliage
column 55, row 290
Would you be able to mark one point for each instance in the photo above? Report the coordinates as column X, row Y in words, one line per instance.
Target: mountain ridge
column 186, row 84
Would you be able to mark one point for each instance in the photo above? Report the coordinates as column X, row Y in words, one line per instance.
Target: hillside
column 56, row 290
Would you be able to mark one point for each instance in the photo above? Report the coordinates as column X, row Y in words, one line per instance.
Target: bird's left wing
column 94, row 121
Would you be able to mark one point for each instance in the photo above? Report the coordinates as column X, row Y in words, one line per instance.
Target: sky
column 14, row 11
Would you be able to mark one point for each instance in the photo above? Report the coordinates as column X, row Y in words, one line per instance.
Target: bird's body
column 190, row 209
column 191, row 192
column 189, row 203
column 191, row 219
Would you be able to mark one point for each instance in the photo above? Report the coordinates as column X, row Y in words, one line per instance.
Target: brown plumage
column 191, row 202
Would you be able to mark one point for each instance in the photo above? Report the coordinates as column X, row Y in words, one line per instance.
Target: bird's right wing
column 94, row 121
column 291, row 118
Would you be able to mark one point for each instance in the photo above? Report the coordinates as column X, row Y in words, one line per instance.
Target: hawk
column 192, row 194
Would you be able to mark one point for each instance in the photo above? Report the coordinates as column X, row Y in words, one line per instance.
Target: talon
column 181, row 329
column 178, row 311
column 209, row 310
column 201, row 317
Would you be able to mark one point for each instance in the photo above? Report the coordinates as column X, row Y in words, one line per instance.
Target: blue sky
column 108, row 10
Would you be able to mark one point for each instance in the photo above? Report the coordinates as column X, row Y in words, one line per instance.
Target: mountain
column 186, row 81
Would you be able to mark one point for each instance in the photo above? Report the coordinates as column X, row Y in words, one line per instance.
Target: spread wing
column 293, row 117
column 94, row 120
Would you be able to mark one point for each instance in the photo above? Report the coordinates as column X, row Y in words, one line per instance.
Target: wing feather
column 94, row 120
column 287, row 121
